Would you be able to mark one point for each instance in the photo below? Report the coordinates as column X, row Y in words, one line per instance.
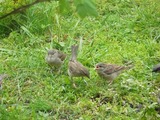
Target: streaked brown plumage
column 75, row 68
column 55, row 58
column 110, row 71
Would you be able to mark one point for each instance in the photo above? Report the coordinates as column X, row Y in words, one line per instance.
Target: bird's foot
column 85, row 82
column 110, row 82
column 74, row 85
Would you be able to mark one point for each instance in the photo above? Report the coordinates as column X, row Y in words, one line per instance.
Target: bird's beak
column 95, row 68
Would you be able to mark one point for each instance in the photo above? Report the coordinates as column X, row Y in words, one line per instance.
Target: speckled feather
column 75, row 68
column 55, row 58
column 110, row 71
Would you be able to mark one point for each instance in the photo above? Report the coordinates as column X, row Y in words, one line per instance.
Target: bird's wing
column 61, row 55
column 110, row 68
column 78, row 69
column 83, row 69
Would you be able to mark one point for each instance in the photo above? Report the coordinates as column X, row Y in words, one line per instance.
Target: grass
column 123, row 31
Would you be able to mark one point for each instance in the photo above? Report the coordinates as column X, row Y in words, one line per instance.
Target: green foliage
column 3, row 113
column 35, row 13
column 85, row 8
column 40, row 105
column 7, row 6
column 64, row 6
column 123, row 31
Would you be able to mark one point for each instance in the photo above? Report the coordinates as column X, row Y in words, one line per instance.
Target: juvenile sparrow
column 156, row 68
column 55, row 58
column 1, row 79
column 110, row 71
column 75, row 68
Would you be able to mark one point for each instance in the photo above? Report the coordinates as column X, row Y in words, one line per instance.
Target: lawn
column 124, row 30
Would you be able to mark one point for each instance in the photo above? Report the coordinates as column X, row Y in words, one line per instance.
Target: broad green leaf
column 64, row 6
column 86, row 8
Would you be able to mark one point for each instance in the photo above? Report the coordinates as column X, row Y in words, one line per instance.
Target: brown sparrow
column 110, row 71
column 55, row 58
column 75, row 68
column 1, row 78
column 156, row 68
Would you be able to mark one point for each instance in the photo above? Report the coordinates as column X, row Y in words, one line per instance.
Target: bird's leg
column 0, row 86
column 110, row 82
column 74, row 85
column 52, row 68
column 85, row 81
column 59, row 70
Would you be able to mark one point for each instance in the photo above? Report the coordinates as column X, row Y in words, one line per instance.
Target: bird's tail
column 74, row 49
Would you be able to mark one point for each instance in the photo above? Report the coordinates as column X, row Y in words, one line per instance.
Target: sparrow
column 75, row 68
column 110, row 71
column 1, row 79
column 156, row 68
column 55, row 58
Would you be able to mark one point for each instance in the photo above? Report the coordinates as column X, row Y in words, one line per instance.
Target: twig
column 20, row 9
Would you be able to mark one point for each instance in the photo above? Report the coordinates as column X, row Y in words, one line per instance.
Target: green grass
column 123, row 31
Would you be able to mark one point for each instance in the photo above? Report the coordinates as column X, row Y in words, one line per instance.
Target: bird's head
column 100, row 67
column 52, row 51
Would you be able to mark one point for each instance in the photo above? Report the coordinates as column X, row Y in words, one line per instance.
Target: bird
column 75, row 68
column 2, row 76
column 110, row 71
column 55, row 58
column 156, row 68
